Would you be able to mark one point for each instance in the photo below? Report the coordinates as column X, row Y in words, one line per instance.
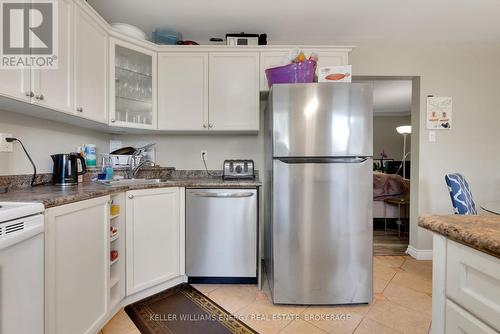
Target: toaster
column 238, row 169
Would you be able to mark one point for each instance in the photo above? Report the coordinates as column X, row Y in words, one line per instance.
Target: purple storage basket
column 292, row 73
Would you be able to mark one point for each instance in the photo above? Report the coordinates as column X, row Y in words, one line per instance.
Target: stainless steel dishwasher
column 221, row 235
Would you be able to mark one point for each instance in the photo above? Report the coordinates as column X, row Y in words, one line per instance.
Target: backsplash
column 24, row 180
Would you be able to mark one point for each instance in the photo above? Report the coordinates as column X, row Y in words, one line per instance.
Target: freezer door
column 322, row 231
column 322, row 119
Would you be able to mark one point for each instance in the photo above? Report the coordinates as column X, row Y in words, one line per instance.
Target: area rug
column 180, row 310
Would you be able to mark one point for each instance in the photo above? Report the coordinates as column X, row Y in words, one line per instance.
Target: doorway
column 393, row 126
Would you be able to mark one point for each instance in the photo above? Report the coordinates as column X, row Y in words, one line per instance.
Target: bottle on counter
column 90, row 155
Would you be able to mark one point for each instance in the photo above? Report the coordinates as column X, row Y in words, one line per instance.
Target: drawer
column 473, row 282
column 459, row 320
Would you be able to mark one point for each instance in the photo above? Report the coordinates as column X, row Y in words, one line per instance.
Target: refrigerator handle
column 323, row 160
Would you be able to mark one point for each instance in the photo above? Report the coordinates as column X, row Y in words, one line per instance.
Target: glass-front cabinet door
column 133, row 74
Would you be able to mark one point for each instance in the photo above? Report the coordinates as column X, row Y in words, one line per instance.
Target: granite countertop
column 51, row 195
column 481, row 232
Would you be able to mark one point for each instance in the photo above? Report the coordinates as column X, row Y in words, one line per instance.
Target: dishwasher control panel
column 238, row 169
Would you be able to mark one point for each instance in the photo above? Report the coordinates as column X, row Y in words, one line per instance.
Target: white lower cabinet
column 465, row 289
column 460, row 321
column 155, row 237
column 77, row 266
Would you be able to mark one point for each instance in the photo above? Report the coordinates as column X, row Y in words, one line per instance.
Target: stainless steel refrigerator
column 318, row 211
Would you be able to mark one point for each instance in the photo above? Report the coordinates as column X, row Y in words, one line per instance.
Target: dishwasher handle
column 223, row 194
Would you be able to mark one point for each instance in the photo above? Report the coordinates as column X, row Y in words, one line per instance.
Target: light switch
column 432, row 136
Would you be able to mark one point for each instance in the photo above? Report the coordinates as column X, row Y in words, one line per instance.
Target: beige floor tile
column 335, row 319
column 301, row 327
column 399, row 318
column 390, row 261
column 206, row 288
column 411, row 299
column 382, row 275
column 119, row 324
column 418, row 268
column 133, row 331
column 234, row 297
column 266, row 318
column 413, row 282
column 368, row 326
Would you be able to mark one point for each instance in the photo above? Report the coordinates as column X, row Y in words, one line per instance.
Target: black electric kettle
column 65, row 170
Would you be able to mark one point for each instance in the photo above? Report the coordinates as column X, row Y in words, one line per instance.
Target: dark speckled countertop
column 481, row 232
column 51, row 195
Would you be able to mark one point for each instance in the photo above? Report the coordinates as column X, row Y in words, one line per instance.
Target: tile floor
column 402, row 304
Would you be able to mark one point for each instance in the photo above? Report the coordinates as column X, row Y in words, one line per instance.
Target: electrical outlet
column 4, row 145
column 204, row 155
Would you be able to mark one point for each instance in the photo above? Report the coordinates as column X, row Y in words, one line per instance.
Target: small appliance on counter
column 246, row 39
column 65, row 171
column 238, row 169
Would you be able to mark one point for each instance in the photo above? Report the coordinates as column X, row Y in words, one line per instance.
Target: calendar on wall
column 439, row 112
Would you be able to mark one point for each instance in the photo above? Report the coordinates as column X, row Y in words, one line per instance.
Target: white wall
column 471, row 75
column 42, row 138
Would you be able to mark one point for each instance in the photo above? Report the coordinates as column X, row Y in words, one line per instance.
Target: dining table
column 492, row 207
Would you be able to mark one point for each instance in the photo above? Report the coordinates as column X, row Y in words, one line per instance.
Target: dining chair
column 461, row 196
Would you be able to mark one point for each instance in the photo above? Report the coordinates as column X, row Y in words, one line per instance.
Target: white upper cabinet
column 133, row 86
column 234, row 91
column 183, row 91
column 53, row 88
column 15, row 84
column 329, row 58
column 269, row 59
column 91, row 67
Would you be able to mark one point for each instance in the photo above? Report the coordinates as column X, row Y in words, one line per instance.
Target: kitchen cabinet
column 16, row 84
column 77, row 266
column 133, row 81
column 155, row 237
column 329, row 58
column 465, row 289
column 54, row 88
column 270, row 59
column 91, row 67
column 234, row 91
column 183, row 91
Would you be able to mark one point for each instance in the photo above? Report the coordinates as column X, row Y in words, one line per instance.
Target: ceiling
column 316, row 21
column 391, row 97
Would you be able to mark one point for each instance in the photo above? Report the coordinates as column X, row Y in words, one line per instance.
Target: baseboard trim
column 419, row 254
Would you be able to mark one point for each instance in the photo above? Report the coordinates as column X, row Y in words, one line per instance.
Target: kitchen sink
column 131, row 182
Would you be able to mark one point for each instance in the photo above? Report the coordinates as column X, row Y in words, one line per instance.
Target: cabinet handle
column 130, row 196
column 210, row 125
column 204, row 126
column 30, row 94
column 39, row 97
column 113, row 120
column 79, row 109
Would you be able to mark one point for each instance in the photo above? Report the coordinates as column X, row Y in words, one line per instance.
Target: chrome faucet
column 138, row 160
column 133, row 170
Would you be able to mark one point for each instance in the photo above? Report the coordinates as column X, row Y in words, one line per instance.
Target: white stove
column 21, row 268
